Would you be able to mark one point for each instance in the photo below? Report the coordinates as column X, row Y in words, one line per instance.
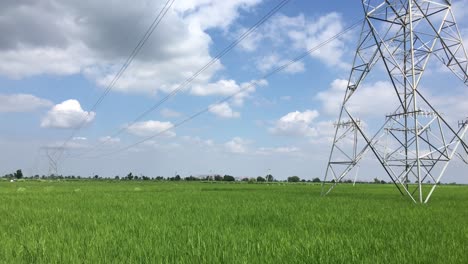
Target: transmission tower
column 416, row 143
column 52, row 157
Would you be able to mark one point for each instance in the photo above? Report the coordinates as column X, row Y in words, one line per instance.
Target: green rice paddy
column 167, row 222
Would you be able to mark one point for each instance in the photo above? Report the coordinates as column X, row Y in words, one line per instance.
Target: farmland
column 160, row 222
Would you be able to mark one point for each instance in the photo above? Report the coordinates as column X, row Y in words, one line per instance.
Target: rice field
column 168, row 222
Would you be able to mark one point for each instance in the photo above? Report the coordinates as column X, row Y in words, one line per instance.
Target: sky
column 58, row 57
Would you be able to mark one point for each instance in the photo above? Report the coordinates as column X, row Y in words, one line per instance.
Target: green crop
column 164, row 222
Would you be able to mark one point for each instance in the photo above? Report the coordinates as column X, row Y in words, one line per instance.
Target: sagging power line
column 188, row 81
column 227, row 98
column 157, row 20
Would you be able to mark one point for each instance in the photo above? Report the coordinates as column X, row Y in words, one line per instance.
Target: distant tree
column 160, row 178
column 260, row 179
column 177, row 178
column 228, row 178
column 18, row 174
column 316, row 180
column 376, row 180
column 269, row 178
column 190, row 178
column 383, row 182
column 245, row 179
column 96, row 176
column 136, row 177
column 130, row 176
column 218, row 178
column 209, row 178
column 294, row 179
column 117, row 177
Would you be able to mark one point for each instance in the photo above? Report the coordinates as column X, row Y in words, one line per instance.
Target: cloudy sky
column 58, row 57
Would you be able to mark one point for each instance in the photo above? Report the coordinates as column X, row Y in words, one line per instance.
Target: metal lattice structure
column 52, row 157
column 416, row 143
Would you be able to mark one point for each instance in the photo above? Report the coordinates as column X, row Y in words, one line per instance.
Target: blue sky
column 60, row 55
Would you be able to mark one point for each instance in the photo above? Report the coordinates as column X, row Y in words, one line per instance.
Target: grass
column 162, row 222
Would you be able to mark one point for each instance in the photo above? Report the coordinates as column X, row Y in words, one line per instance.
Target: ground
column 166, row 222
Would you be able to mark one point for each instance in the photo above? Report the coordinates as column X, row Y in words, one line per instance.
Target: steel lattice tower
column 416, row 143
column 51, row 153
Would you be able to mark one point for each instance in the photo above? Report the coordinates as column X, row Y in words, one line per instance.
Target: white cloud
column 149, row 128
column 227, row 88
column 273, row 61
column 79, row 37
column 199, row 142
column 20, row 103
column 169, row 113
column 109, row 140
column 315, row 33
column 222, row 87
column 237, row 145
column 223, row 110
column 296, row 124
column 249, row 44
column 67, row 114
column 55, row 61
column 201, row 12
column 369, row 100
column 75, row 143
column 278, row 150
column 290, row 34
column 452, row 107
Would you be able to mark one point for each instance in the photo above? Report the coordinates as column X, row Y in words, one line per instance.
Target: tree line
column 218, row 178
column 131, row 177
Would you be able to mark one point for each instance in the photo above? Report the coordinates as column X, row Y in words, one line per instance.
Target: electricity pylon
column 416, row 142
column 51, row 153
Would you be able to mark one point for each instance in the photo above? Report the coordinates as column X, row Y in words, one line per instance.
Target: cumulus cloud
column 290, row 34
column 237, row 145
column 223, row 110
column 67, row 114
column 273, row 61
column 109, row 140
column 278, row 150
column 207, row 143
column 370, row 100
column 83, row 37
column 21, row 103
column 227, row 88
column 169, row 113
column 152, row 127
column 296, row 124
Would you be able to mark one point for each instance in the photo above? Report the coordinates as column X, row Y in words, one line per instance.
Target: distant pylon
column 51, row 153
column 416, row 143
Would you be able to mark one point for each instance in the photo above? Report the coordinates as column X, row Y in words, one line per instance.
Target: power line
column 157, row 20
column 227, row 98
column 197, row 73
